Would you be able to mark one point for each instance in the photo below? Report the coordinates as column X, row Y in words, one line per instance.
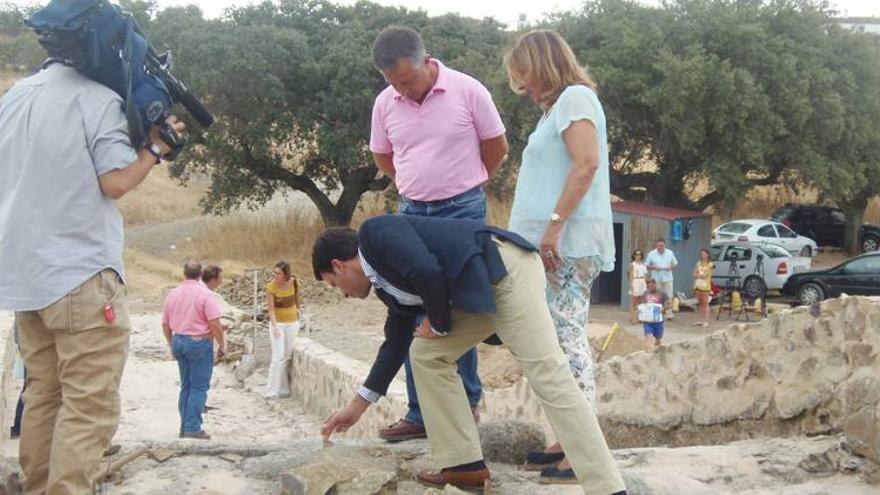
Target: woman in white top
column 563, row 202
column 637, row 273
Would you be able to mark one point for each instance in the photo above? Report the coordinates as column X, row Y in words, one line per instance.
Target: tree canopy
column 705, row 99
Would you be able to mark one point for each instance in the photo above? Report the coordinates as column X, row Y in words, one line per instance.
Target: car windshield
column 782, row 213
column 735, row 227
column 774, row 251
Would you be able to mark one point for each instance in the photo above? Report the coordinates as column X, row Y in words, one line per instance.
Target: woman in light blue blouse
column 563, row 202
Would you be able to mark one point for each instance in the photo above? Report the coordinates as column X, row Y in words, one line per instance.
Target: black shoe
column 14, row 433
column 198, row 435
column 536, row 461
column 553, row 476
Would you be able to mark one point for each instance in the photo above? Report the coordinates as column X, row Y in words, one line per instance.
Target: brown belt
column 202, row 336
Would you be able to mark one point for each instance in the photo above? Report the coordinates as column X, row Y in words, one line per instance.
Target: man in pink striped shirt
column 191, row 322
column 437, row 132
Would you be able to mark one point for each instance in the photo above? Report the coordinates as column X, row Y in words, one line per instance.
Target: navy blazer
column 449, row 263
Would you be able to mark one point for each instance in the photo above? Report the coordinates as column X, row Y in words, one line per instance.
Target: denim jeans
column 195, row 360
column 469, row 205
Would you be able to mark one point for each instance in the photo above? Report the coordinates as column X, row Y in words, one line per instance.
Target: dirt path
column 157, row 239
column 240, row 417
column 150, row 387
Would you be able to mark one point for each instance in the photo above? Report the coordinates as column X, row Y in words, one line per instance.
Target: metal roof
column 655, row 211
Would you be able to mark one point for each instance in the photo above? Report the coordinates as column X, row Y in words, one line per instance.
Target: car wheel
column 806, row 252
column 810, row 293
column 870, row 243
column 754, row 287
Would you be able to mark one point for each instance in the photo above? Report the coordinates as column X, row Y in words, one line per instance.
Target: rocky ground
column 262, row 447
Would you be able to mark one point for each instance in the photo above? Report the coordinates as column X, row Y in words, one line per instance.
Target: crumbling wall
column 323, row 381
column 793, row 373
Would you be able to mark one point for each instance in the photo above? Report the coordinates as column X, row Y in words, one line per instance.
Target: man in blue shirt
column 67, row 157
column 662, row 262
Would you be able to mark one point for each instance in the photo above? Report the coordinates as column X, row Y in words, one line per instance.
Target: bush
column 21, row 53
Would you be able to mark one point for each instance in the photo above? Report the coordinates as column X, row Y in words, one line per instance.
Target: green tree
column 292, row 86
column 723, row 92
column 18, row 44
column 846, row 169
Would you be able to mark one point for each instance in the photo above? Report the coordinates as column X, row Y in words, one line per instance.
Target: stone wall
column 791, row 374
column 324, row 380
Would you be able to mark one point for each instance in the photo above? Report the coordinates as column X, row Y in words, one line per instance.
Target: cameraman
column 66, row 157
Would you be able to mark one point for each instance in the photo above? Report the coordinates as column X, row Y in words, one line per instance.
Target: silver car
column 776, row 265
column 765, row 232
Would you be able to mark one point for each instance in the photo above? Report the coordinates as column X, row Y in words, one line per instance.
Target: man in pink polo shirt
column 437, row 132
column 191, row 321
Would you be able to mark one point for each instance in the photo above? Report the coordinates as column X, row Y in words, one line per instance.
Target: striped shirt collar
column 401, row 296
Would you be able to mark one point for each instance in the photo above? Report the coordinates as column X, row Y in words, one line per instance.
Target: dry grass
column 264, row 237
column 762, row 201
column 498, row 211
column 7, row 79
column 147, row 275
column 288, row 231
column 160, row 198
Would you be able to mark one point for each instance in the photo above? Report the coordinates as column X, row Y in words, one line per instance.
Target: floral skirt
column 568, row 295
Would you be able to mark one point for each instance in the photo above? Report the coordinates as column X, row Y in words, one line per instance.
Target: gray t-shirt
column 60, row 132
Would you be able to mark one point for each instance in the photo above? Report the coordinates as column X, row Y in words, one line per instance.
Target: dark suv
column 825, row 225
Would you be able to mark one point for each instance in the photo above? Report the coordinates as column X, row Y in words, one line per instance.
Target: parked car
column 856, row 276
column 825, row 225
column 761, row 267
column 765, row 232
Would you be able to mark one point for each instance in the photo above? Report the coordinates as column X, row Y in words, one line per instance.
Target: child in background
column 654, row 303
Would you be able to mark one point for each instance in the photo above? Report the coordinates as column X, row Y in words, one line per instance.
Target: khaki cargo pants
column 74, row 362
column 522, row 320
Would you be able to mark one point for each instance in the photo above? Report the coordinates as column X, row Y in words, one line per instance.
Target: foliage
column 18, row 45
column 293, row 86
column 735, row 93
column 847, row 168
column 725, row 93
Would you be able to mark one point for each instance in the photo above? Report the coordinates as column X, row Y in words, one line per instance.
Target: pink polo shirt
column 436, row 145
column 189, row 307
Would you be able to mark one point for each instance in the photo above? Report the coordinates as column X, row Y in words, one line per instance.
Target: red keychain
column 109, row 314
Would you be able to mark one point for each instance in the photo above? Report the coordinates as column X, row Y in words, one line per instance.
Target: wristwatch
column 555, row 217
column 154, row 150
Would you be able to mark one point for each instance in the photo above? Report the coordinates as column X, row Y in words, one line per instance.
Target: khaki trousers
column 74, row 362
column 523, row 322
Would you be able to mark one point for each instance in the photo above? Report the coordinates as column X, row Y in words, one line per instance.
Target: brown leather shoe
column 402, row 430
column 466, row 480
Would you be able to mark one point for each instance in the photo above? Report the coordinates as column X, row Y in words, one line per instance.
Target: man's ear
column 337, row 266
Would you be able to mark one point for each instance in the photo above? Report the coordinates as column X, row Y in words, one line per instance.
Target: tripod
column 732, row 284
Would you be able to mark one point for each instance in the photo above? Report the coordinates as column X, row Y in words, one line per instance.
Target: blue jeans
column 468, row 205
column 195, row 360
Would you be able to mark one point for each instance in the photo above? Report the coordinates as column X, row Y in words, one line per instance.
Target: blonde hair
column 543, row 60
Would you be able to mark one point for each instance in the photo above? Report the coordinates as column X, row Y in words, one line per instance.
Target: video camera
column 105, row 44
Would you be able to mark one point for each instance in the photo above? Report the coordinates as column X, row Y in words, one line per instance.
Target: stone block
column 509, row 440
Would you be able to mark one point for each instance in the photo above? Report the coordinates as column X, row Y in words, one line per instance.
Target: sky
column 506, row 11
